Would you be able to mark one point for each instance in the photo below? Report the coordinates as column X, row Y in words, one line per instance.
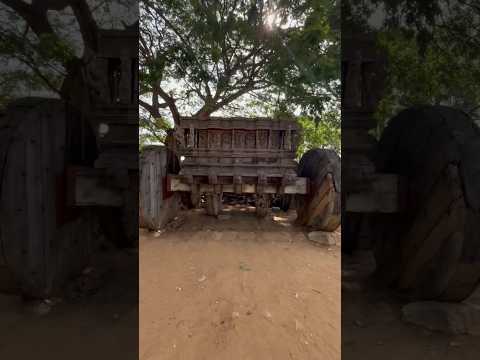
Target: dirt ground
column 230, row 288
column 372, row 327
column 238, row 288
column 103, row 325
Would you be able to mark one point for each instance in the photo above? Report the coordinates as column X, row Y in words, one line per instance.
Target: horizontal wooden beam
column 238, row 123
column 238, row 153
column 177, row 183
column 382, row 196
column 92, row 187
column 120, row 158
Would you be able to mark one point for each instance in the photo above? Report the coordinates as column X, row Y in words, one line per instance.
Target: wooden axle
column 178, row 183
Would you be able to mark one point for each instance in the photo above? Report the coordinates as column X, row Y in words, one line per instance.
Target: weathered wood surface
column 240, row 149
column 432, row 249
column 157, row 207
column 214, row 203
column 43, row 241
column 113, row 98
column 5, row 139
column 177, row 183
column 363, row 75
column 92, row 187
column 321, row 208
column 359, row 172
column 383, row 195
column 263, row 204
column 238, row 123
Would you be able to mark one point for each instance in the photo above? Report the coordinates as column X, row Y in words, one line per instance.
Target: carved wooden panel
column 202, row 138
column 214, row 139
column 250, row 139
column 240, row 139
column 226, row 139
column 277, row 139
column 295, row 140
column 262, row 139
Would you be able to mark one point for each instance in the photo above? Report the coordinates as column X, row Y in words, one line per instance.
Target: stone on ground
column 450, row 318
column 322, row 238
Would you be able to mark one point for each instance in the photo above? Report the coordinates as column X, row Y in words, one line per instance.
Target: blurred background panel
column 410, row 167
column 69, row 179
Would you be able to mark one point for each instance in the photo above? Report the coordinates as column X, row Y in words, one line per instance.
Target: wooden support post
column 288, row 136
column 191, row 138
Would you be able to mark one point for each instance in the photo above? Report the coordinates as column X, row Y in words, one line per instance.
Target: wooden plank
column 156, row 208
column 323, row 203
column 117, row 159
column 238, row 123
column 357, row 139
column 91, row 188
column 177, row 183
column 445, row 196
column 116, row 114
column 229, row 169
column 121, row 134
column 41, row 250
column 232, row 171
column 382, row 196
column 237, row 153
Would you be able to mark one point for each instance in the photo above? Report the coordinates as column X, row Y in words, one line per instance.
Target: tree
column 46, row 44
column 432, row 49
column 152, row 131
column 441, row 76
column 201, row 56
column 324, row 134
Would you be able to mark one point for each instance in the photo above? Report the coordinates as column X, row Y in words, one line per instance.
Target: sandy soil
column 238, row 288
column 103, row 325
column 372, row 327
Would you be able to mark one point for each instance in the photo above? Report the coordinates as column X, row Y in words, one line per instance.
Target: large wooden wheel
column 320, row 209
column 431, row 250
column 42, row 241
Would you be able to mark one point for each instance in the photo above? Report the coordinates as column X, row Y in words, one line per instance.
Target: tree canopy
column 198, row 57
column 43, row 42
column 433, row 51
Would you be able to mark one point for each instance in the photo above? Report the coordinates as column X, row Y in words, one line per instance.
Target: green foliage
column 216, row 52
column 441, row 76
column 41, row 41
column 10, row 81
column 432, row 49
column 307, row 70
column 34, row 62
column 145, row 139
column 324, row 134
column 152, row 130
column 52, row 48
column 415, row 16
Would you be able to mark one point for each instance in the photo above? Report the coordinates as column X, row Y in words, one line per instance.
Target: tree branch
column 153, row 110
column 36, row 16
